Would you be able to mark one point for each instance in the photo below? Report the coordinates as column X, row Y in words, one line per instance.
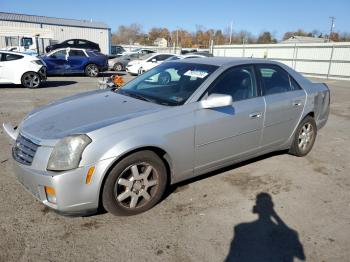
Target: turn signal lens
column 89, row 175
column 50, row 194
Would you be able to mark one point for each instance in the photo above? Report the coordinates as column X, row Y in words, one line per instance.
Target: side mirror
column 154, row 60
column 216, row 100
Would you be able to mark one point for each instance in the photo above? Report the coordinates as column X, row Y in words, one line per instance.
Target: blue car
column 66, row 61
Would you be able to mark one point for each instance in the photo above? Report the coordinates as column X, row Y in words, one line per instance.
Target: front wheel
column 118, row 67
column 135, row 184
column 91, row 70
column 31, row 80
column 304, row 138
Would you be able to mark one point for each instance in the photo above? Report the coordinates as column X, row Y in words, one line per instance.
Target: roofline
column 47, row 23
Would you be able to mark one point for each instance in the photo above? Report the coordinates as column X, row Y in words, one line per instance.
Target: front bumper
column 73, row 195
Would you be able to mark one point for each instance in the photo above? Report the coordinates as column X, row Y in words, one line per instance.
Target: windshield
column 169, row 84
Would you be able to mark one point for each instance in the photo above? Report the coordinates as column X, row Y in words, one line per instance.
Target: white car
column 19, row 68
column 147, row 62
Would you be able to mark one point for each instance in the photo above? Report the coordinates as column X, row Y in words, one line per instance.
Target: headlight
column 67, row 153
column 37, row 62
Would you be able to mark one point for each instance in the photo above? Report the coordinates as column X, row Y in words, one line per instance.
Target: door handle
column 297, row 103
column 255, row 115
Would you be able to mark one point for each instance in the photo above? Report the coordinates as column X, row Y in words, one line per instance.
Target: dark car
column 117, row 49
column 77, row 43
column 75, row 61
column 119, row 63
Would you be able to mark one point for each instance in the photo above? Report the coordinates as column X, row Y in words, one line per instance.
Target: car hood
column 83, row 113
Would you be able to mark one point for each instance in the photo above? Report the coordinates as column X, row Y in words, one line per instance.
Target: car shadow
column 46, row 84
column 49, row 83
column 266, row 239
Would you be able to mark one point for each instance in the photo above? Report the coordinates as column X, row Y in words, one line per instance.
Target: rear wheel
column 304, row 138
column 135, row 184
column 31, row 80
column 118, row 67
column 91, row 70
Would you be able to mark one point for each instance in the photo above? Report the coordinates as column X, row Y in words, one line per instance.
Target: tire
column 118, row 67
column 135, row 184
column 304, row 138
column 91, row 70
column 31, row 80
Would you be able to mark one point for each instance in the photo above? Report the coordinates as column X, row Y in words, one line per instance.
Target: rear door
column 227, row 133
column 285, row 101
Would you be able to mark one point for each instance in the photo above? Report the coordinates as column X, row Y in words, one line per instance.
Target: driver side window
column 61, row 54
column 238, row 82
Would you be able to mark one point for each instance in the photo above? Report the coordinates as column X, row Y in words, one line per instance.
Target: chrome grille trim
column 24, row 150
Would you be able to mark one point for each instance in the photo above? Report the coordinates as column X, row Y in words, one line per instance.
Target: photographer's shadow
column 266, row 239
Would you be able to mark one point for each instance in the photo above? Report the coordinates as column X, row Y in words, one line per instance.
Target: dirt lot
column 197, row 220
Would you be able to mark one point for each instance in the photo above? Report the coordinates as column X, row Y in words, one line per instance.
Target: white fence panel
column 328, row 60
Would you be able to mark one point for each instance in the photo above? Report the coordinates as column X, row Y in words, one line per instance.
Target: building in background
column 304, row 39
column 27, row 32
column 161, row 42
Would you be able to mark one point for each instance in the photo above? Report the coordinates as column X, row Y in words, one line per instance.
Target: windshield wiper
column 137, row 96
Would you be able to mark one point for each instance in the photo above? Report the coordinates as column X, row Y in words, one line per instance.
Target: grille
column 24, row 150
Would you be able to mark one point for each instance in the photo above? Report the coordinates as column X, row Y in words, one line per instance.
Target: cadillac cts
column 122, row 147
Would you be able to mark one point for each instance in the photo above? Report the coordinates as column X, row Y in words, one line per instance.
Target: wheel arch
column 29, row 71
column 161, row 153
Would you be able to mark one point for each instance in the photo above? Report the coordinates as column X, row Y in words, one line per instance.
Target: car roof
column 221, row 61
column 71, row 48
column 14, row 53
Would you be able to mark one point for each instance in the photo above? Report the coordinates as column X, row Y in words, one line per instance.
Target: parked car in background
column 123, row 147
column 119, row 63
column 202, row 53
column 146, row 62
column 77, row 43
column 186, row 56
column 117, row 50
column 139, row 51
column 18, row 68
column 66, row 61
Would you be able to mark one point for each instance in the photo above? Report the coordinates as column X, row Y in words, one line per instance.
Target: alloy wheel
column 31, row 80
column 306, row 136
column 137, row 185
column 92, row 70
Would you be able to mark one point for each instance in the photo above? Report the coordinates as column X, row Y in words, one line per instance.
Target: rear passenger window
column 274, row 79
column 76, row 53
column 10, row 57
column 238, row 82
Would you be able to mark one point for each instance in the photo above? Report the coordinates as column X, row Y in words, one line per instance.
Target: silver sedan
column 123, row 147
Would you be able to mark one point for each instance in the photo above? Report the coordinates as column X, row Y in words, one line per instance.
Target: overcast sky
column 277, row 16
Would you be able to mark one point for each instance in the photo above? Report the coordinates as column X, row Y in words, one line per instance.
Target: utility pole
column 332, row 26
column 177, row 37
column 231, row 25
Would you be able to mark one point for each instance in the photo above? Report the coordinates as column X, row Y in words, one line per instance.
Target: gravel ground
column 210, row 218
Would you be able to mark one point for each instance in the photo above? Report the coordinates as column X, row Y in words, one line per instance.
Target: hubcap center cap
column 137, row 185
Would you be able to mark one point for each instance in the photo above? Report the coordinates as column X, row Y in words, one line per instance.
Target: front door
column 232, row 132
column 57, row 62
column 76, row 61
